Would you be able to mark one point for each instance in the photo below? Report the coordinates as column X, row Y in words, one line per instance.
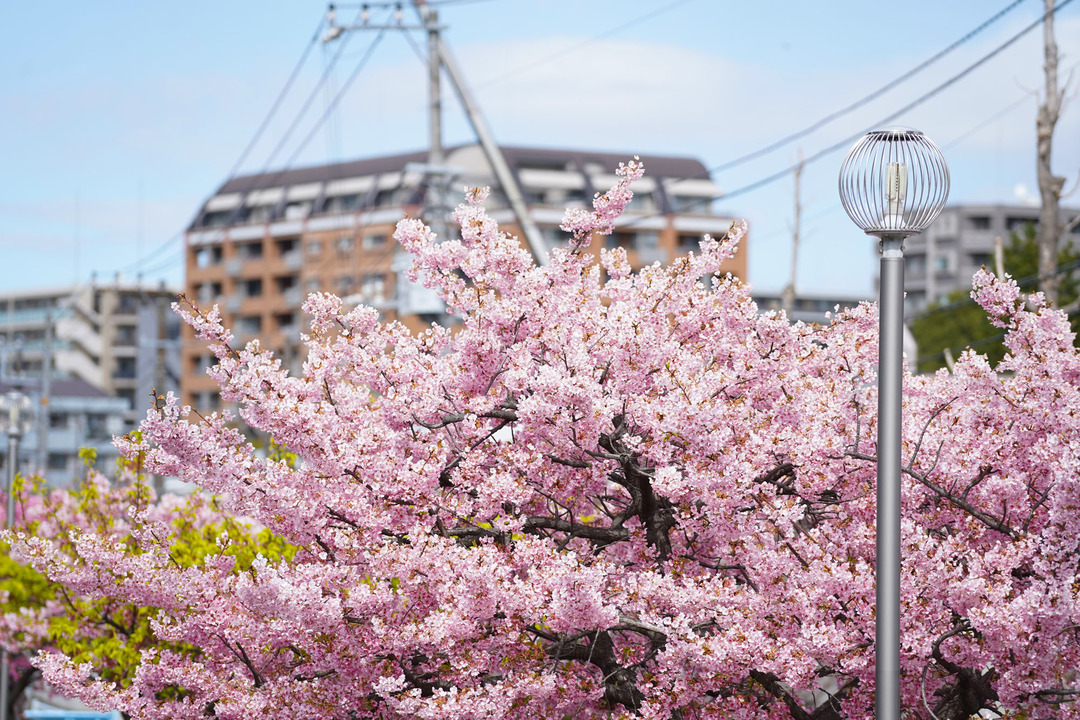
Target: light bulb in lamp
column 894, row 182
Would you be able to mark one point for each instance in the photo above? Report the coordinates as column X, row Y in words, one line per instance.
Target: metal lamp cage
column 16, row 414
column 894, row 182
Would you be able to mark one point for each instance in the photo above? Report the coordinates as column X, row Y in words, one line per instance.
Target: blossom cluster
column 603, row 496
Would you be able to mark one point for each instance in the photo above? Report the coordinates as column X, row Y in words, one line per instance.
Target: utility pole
column 788, row 296
column 439, row 57
column 1050, row 185
column 438, row 176
column 431, row 21
column 159, row 370
column 46, row 393
column 496, row 159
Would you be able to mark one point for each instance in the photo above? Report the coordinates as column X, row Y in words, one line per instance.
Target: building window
column 623, row 240
column 260, row 213
column 554, row 237
column 688, row 242
column 126, row 335
column 129, row 395
column 979, row 222
column 313, row 285
column 345, row 284
column 125, row 368
column 373, row 288
column 127, row 304
column 58, row 420
column 690, row 204
column 215, row 219
column 250, row 251
column 1019, row 224
column 344, row 244
column 285, row 321
column 979, row 259
column 252, row 288
column 916, row 264
column 297, row 211
column 314, row 248
column 941, row 264
column 57, row 461
column 648, row 240
column 286, row 245
column 345, row 203
column 207, row 256
column 374, row 242
column 97, row 426
column 208, row 292
column 642, row 201
column 249, row 324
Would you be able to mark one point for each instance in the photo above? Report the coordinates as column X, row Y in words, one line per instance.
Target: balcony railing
column 293, row 259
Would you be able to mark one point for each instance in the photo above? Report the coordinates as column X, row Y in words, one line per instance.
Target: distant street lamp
column 16, row 419
column 893, row 184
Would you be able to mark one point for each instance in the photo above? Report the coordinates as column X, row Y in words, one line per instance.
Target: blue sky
column 120, row 118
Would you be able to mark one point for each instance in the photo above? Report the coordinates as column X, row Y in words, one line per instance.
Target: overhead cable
column 574, row 48
column 787, row 140
column 277, row 102
column 769, row 179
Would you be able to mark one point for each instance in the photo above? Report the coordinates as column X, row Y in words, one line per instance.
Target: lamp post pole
column 16, row 419
column 890, row 395
column 875, row 192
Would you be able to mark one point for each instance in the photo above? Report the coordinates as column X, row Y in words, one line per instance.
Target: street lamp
column 893, row 184
column 16, row 419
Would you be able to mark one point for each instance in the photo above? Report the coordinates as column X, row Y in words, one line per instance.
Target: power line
column 247, row 150
column 277, row 101
column 153, row 253
column 168, row 262
column 337, row 98
column 996, row 116
column 584, row 43
column 787, row 140
column 769, row 179
column 307, row 104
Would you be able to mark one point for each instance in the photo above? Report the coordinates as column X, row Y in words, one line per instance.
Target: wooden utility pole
column 788, row 295
column 1050, row 185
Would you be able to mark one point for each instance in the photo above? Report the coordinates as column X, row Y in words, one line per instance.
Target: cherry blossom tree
column 105, row 629
column 607, row 494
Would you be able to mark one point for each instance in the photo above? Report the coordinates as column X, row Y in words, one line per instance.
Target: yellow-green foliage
column 108, row 633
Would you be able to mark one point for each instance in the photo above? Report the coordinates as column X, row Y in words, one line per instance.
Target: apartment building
column 961, row 240
column 119, row 338
column 79, row 416
column 263, row 242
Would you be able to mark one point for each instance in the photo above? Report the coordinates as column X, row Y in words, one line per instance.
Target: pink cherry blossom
column 607, row 498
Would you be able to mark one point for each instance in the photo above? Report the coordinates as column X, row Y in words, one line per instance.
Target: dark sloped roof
column 655, row 165
column 321, row 173
column 61, row 387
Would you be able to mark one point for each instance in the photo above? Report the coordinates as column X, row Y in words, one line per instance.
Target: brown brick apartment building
column 263, row 242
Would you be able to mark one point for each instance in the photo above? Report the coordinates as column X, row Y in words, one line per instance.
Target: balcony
column 648, row 256
column 293, row 260
column 293, row 297
column 233, row 266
